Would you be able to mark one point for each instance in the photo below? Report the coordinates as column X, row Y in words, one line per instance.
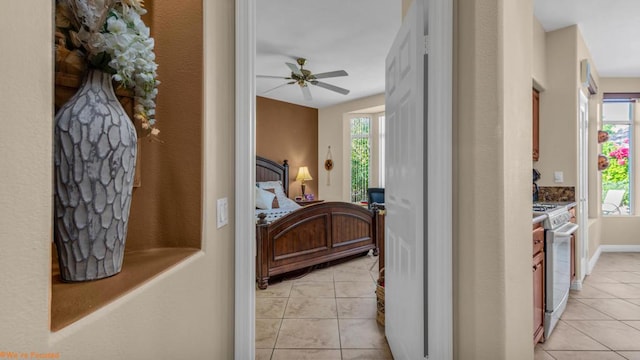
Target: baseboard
column 620, row 248
column 576, row 285
column 610, row 248
column 594, row 260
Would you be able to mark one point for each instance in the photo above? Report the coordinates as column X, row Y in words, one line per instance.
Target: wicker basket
column 380, row 298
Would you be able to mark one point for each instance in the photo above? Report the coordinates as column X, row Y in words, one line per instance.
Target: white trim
column 576, row 285
column 244, row 330
column 620, row 248
column 594, row 259
column 610, row 248
column 582, row 206
column 439, row 17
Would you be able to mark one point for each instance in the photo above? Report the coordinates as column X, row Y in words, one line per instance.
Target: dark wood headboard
column 268, row 170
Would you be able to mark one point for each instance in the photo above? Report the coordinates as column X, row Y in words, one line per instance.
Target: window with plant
column 360, row 156
column 617, row 119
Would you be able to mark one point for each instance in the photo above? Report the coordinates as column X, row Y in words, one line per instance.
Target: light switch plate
column 558, row 176
column 222, row 212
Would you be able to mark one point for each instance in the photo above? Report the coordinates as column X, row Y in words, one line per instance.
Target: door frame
column 439, row 210
column 440, row 256
column 583, row 190
column 245, row 154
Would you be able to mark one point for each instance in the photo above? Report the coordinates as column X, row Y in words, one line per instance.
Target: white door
column 583, row 192
column 418, row 186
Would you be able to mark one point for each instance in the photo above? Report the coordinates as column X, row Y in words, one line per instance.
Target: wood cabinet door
column 538, row 297
column 538, row 240
column 536, row 125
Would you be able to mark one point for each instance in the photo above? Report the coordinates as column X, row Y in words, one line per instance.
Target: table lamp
column 303, row 175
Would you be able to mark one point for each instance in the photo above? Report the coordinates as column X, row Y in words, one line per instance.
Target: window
column 360, row 155
column 381, row 151
column 617, row 180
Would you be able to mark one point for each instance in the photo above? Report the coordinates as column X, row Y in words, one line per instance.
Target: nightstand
column 307, row 202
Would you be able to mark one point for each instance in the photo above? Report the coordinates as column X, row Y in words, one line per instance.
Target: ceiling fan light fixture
column 303, row 77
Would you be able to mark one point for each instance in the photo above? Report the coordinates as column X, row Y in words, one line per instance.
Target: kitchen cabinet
column 536, row 124
column 538, row 283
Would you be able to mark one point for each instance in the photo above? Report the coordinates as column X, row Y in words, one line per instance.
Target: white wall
column 331, row 133
column 493, row 291
column 186, row 312
column 559, row 110
column 539, row 58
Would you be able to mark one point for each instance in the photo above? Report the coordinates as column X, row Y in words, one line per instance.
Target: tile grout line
column 613, row 319
column 592, row 308
column 335, row 298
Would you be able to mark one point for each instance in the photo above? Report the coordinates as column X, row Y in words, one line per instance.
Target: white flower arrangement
column 112, row 37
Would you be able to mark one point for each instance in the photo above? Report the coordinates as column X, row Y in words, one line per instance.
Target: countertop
column 568, row 204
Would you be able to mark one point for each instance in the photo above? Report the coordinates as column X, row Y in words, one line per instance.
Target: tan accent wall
column 289, row 131
column 173, row 168
column 492, row 227
column 186, row 312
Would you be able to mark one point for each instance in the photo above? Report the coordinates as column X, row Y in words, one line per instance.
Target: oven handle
column 572, row 228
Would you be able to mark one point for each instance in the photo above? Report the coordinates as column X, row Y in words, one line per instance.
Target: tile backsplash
column 556, row 193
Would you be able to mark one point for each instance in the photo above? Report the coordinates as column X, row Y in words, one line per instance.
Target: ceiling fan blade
column 330, row 87
column 306, row 92
column 330, row 74
column 278, row 87
column 294, row 69
column 272, row 77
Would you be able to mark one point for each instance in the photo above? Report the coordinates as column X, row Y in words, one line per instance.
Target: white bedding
column 286, row 205
column 273, row 214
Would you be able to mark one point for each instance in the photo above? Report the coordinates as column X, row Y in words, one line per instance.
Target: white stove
column 557, row 236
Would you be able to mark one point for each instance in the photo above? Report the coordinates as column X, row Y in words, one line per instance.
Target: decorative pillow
column 274, row 204
column 283, row 201
column 277, row 185
column 264, row 199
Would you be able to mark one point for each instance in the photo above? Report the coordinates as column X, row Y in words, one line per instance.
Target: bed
column 304, row 237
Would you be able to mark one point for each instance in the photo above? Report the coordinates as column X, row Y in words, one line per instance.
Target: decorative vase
column 94, row 159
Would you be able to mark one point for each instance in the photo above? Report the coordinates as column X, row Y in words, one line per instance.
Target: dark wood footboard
column 314, row 235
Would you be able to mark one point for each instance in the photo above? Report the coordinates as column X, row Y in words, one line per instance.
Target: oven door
column 558, row 272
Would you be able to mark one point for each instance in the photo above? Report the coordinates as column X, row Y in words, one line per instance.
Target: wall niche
column 165, row 223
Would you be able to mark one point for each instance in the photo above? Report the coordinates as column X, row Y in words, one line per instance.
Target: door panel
column 404, row 268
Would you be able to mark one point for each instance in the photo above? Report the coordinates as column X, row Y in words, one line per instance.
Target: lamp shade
column 303, row 174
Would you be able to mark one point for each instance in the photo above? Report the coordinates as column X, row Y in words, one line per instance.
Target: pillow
column 288, row 204
column 264, row 199
column 274, row 204
column 276, row 185
column 283, row 201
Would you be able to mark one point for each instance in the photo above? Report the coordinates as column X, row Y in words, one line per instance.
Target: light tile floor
column 602, row 321
column 328, row 314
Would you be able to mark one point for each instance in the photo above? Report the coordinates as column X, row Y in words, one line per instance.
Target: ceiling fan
column 303, row 77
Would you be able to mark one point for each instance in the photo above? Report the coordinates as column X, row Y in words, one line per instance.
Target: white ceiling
column 611, row 30
column 350, row 35
column 355, row 35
